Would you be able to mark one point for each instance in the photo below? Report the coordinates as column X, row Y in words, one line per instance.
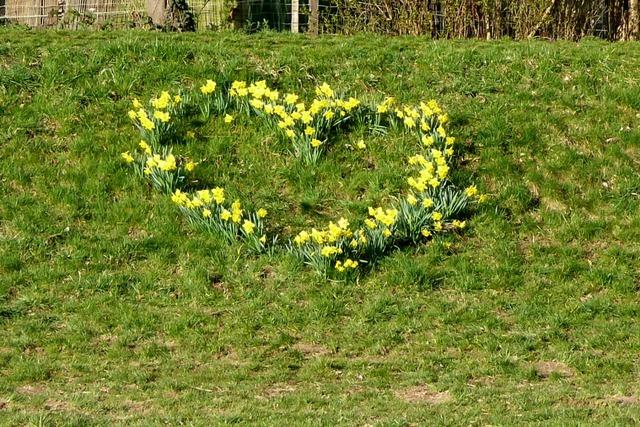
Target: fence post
column 313, row 17
column 295, row 16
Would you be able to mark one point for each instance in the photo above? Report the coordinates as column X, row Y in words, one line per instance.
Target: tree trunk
column 155, row 10
column 634, row 19
column 313, row 17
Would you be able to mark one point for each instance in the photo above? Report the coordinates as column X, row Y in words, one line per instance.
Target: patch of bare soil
column 545, row 369
column 622, row 400
column 57, row 405
column 311, row 349
column 424, row 394
column 31, row 389
column 276, row 390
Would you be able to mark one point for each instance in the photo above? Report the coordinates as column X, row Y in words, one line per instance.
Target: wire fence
column 435, row 18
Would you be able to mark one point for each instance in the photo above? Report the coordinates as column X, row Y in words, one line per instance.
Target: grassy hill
column 113, row 310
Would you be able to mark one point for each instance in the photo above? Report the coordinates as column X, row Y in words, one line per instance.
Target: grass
column 114, row 311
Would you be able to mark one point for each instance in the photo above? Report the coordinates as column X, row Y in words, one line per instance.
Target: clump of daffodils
column 305, row 127
column 342, row 248
column 154, row 121
column 211, row 100
column 161, row 169
column 209, row 209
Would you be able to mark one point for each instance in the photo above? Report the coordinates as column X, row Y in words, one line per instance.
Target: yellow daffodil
column 459, row 224
column 190, row 166
column 409, row 122
column 205, row 196
column 291, row 98
column 218, row 195
column 302, row 238
column 471, row 191
column 248, row 226
column 163, row 116
column 325, row 90
column 146, row 123
column 349, row 263
column 328, row 251
column 145, row 147
column 126, row 156
column 179, row 198
column 225, row 215
column 208, row 88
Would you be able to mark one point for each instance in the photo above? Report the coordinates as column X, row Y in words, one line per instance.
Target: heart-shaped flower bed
column 431, row 204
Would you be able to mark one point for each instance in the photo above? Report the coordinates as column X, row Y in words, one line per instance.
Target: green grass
column 114, row 311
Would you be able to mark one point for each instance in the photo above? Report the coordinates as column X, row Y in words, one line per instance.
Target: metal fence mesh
column 316, row 16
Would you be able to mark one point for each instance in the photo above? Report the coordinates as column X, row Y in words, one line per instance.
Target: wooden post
column 295, row 16
column 313, row 17
column 3, row 9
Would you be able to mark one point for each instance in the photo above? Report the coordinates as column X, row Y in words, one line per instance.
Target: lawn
column 114, row 310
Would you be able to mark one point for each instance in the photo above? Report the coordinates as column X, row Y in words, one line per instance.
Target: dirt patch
column 106, row 339
column 553, row 205
column 137, row 233
column 31, row 389
column 57, row 405
column 311, row 349
column 138, row 407
column 545, row 369
column 424, row 394
column 481, row 382
column 267, row 272
column 356, row 389
column 276, row 390
column 622, row 400
column 4, row 405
